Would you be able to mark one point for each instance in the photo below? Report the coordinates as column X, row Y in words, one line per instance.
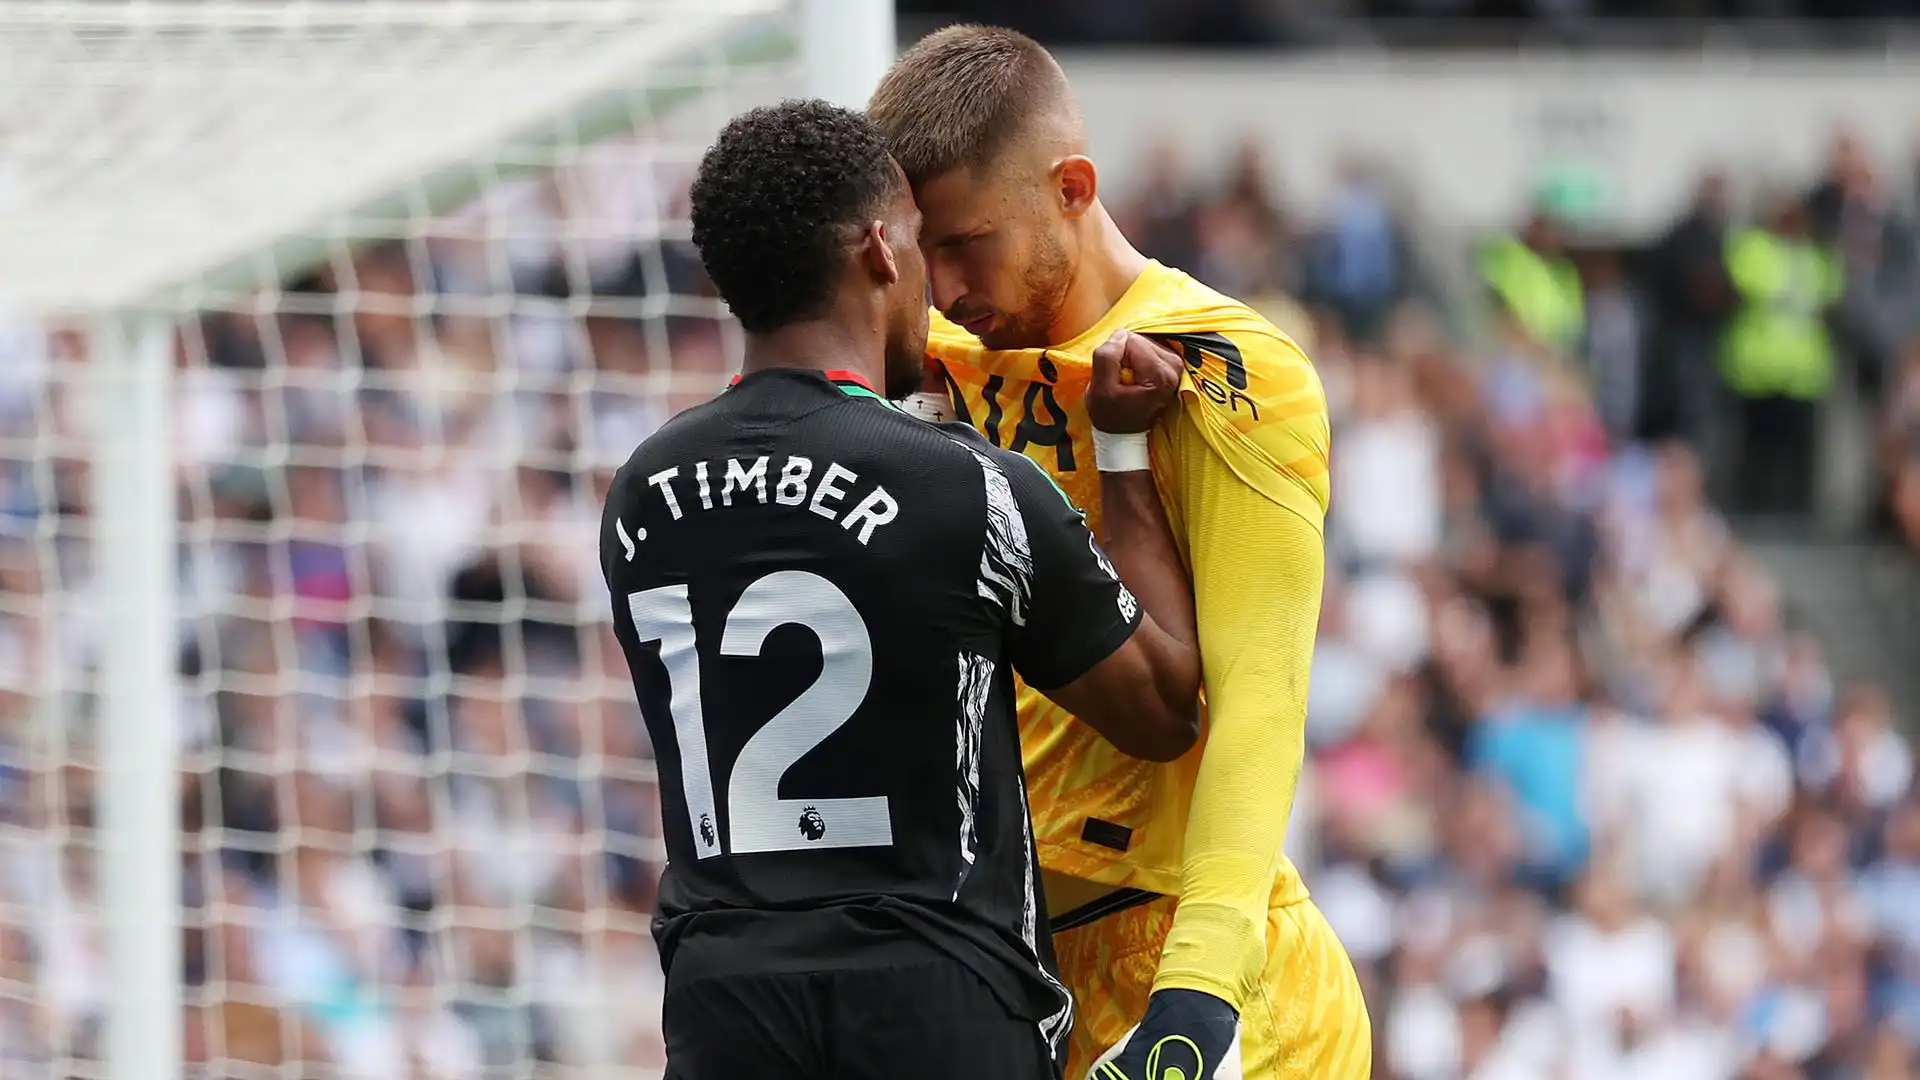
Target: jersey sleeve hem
column 1200, row 982
column 1216, row 949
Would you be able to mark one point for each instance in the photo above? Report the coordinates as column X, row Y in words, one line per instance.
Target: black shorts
column 921, row 1022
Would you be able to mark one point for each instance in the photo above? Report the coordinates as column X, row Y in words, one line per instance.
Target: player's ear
column 1078, row 183
column 878, row 253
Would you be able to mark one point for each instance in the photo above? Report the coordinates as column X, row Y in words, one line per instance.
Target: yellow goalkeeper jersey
column 1242, row 471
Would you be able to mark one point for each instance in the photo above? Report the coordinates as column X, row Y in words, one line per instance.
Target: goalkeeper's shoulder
column 1251, row 357
column 1273, row 337
column 1256, row 401
column 1280, row 362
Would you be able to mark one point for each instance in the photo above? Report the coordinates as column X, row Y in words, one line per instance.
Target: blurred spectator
column 1692, row 297
column 1879, row 254
column 1535, row 288
column 1858, row 760
column 1670, row 554
column 1390, row 461
column 1613, row 970
column 1777, row 354
column 1615, row 337
column 1359, row 264
column 1692, row 788
column 1533, row 743
column 1159, row 217
column 1243, row 243
column 1899, row 450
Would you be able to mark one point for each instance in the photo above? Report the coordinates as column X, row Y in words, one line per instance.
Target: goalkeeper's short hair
column 774, row 201
column 961, row 96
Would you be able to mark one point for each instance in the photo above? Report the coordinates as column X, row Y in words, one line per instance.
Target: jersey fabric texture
column 1241, row 468
column 823, row 602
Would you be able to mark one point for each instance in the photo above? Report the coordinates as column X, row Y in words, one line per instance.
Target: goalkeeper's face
column 1000, row 246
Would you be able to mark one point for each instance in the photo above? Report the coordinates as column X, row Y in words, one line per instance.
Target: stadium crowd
column 1583, row 803
column 1267, row 23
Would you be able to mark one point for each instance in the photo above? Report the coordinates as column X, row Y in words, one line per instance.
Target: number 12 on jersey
column 758, row 819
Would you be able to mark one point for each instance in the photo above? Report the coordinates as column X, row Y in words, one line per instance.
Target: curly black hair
column 771, row 201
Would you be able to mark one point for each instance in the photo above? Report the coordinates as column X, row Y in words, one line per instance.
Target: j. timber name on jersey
column 717, row 485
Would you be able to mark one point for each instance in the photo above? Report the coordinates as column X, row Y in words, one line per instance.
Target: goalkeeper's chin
column 1228, row 1069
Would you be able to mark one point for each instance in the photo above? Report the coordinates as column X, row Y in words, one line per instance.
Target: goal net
column 426, row 272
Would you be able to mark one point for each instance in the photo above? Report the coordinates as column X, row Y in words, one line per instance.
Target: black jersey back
column 822, row 601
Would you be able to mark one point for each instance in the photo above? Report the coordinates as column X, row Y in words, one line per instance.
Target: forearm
column 1138, row 538
column 1139, row 541
column 1260, row 613
column 1235, row 829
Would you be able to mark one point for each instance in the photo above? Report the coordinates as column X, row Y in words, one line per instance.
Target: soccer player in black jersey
column 823, row 601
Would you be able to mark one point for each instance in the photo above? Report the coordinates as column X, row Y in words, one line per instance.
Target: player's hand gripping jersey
column 1252, row 408
column 1242, row 470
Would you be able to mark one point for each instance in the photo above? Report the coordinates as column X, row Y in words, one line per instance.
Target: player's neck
column 1108, row 266
column 828, row 344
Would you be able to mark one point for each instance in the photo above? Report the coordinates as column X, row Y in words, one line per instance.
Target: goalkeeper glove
column 1187, row 1035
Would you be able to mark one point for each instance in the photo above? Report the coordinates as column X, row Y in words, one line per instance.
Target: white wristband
column 1121, row 453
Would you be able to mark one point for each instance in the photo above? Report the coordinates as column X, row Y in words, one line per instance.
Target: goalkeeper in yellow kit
column 1184, row 932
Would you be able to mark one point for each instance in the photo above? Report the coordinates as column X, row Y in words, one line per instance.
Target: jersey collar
column 850, row 383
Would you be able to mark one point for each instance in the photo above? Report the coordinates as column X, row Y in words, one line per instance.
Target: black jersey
column 823, row 601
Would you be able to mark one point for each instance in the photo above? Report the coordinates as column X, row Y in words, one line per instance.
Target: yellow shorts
column 1309, row 1023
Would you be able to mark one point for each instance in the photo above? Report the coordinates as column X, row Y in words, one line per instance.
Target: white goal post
column 163, row 159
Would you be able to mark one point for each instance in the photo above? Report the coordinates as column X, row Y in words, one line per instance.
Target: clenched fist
column 1135, row 379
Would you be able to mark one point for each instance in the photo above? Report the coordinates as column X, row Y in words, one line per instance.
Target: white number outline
column 758, row 819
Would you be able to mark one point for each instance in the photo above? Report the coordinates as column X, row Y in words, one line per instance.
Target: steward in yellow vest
column 1537, row 285
column 1776, row 357
column 1777, row 344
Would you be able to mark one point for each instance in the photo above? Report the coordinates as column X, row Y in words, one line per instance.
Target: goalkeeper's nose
column 946, row 285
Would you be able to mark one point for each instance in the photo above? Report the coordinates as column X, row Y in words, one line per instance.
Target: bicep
column 1257, row 572
column 1121, row 695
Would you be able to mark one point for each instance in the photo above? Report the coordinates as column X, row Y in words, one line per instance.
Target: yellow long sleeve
column 1257, row 570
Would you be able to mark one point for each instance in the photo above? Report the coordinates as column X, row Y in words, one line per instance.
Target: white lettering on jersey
column 875, row 510
column 1128, row 605
column 792, row 489
column 739, row 476
column 626, row 541
column 823, row 492
column 827, row 490
column 659, row 480
column 700, row 477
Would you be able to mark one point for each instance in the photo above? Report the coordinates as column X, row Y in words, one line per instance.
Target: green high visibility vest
column 1543, row 294
column 1777, row 344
